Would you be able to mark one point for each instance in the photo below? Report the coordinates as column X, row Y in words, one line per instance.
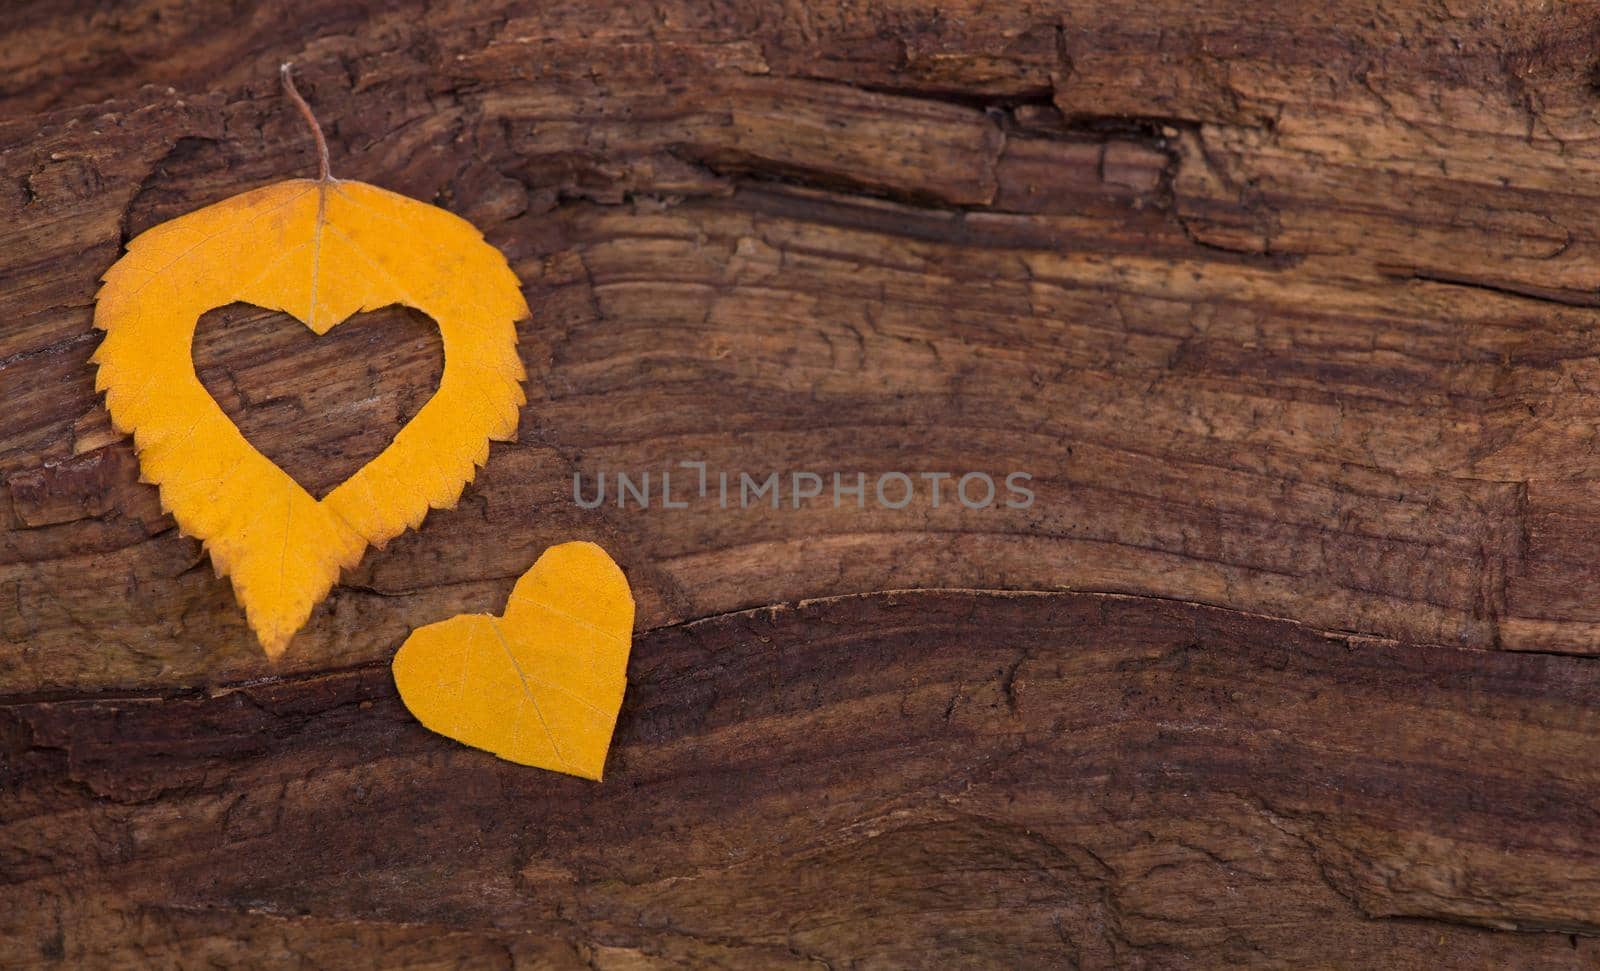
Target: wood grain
column 1289, row 310
column 976, row 778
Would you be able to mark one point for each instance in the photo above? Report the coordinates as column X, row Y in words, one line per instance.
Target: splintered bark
column 1290, row 311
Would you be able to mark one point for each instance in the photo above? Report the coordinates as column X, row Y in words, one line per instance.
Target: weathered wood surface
column 1291, row 311
column 928, row 779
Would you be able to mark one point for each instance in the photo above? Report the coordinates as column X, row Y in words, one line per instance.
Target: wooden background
column 1290, row 309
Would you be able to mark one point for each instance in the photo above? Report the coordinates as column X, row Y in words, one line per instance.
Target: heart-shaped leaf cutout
column 541, row 684
column 318, row 407
column 319, row 250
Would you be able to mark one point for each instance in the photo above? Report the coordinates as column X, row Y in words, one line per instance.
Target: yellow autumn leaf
column 540, row 685
column 319, row 250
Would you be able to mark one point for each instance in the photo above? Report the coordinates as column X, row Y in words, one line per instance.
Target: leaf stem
column 286, row 70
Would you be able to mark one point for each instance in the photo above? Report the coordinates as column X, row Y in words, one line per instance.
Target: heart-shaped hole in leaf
column 318, row 407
